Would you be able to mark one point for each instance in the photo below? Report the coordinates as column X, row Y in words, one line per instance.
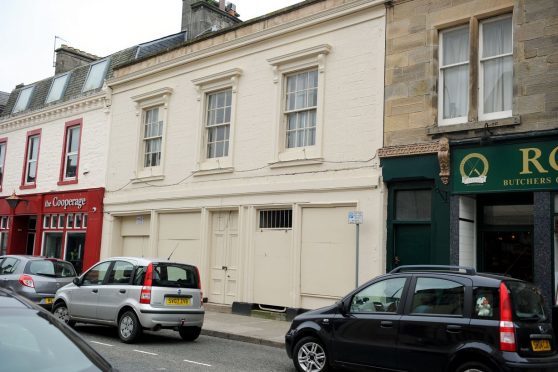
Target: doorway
column 506, row 235
column 224, row 257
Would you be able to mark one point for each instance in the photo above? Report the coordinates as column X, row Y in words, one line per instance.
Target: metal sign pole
column 357, row 251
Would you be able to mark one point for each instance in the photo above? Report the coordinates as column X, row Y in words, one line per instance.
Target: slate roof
column 3, row 100
column 78, row 75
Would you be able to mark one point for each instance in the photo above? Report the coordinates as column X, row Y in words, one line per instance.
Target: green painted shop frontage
column 417, row 211
column 504, row 209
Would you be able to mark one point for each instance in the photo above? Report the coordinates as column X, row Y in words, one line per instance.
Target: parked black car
column 32, row 339
column 429, row 318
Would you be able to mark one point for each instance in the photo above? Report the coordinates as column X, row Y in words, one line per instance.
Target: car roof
column 144, row 260
column 31, row 258
column 478, row 278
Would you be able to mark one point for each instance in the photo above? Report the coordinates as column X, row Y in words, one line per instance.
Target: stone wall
column 412, row 67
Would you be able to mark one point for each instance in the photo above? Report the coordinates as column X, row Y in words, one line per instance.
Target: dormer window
column 57, row 88
column 95, row 76
column 23, row 99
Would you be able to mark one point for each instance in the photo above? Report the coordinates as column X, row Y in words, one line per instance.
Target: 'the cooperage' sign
column 61, row 202
column 507, row 167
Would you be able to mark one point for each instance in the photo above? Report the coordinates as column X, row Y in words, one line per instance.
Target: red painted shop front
column 66, row 225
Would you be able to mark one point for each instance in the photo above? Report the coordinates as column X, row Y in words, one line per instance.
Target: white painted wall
column 93, row 148
column 346, row 176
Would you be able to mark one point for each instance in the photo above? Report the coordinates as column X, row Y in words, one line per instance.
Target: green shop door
column 411, row 244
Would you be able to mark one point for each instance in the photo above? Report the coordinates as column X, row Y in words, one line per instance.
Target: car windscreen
column 51, row 268
column 29, row 341
column 174, row 275
column 528, row 304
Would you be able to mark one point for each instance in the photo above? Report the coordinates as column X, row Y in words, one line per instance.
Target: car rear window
column 55, row 269
column 527, row 301
column 169, row 275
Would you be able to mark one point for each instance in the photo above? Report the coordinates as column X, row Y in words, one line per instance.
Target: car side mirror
column 342, row 307
column 76, row 281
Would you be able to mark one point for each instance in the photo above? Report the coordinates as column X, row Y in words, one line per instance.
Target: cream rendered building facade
column 244, row 152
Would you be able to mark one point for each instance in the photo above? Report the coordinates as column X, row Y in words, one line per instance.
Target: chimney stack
column 222, row 5
column 68, row 58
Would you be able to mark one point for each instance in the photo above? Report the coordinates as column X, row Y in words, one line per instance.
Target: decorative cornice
column 409, row 150
column 68, row 108
column 441, row 148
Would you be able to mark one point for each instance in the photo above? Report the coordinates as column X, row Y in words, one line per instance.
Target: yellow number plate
column 48, row 300
column 540, row 345
column 177, row 301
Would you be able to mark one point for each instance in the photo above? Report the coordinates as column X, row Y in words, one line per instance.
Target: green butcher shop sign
column 510, row 167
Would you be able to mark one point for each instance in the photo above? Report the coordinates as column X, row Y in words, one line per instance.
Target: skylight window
column 95, row 76
column 23, row 99
column 57, row 88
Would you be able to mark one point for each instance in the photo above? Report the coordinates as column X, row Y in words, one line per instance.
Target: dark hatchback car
column 32, row 339
column 36, row 278
column 429, row 318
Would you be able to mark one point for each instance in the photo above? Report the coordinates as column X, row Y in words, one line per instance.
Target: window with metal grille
column 276, row 219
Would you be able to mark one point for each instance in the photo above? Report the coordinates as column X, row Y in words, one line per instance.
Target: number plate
column 540, row 345
column 48, row 300
column 177, row 301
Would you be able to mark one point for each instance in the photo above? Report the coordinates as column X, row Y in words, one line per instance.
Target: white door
column 224, row 257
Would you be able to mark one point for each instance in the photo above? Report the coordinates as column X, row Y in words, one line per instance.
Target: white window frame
column 23, row 105
column 499, row 114
column 205, row 86
column 30, row 159
column 65, row 76
column 283, row 66
column 160, row 99
column 100, row 83
column 3, row 149
column 68, row 153
column 460, row 119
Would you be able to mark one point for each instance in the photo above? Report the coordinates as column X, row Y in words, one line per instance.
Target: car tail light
column 199, row 286
column 27, row 281
column 145, row 295
column 507, row 328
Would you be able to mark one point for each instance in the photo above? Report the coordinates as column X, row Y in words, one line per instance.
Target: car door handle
column 452, row 328
column 386, row 324
column 95, row 290
column 122, row 291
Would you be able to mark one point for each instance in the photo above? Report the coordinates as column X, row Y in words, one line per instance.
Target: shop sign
column 509, row 167
column 64, row 203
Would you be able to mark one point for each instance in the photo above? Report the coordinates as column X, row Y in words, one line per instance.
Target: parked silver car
column 36, row 278
column 135, row 294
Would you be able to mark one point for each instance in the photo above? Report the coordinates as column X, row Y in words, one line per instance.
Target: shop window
column 77, row 221
column 84, row 221
column 52, row 246
column 70, row 221
column 54, row 221
column 46, row 221
column 4, row 222
column 413, row 205
column 61, row 219
column 276, row 219
column 75, row 245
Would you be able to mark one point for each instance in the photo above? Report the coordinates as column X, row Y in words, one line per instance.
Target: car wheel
column 60, row 311
column 129, row 327
column 189, row 333
column 474, row 367
column 310, row 355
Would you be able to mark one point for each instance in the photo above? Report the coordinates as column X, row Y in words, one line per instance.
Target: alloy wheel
column 311, row 357
column 126, row 326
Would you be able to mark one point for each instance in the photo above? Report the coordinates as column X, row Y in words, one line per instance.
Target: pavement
column 245, row 328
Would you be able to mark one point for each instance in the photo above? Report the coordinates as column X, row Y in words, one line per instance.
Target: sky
column 101, row 27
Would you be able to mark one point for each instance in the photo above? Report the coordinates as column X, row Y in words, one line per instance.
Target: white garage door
column 328, row 258
column 135, row 235
column 180, row 232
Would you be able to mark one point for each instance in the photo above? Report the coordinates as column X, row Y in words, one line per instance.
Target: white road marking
column 100, row 343
column 201, row 364
column 145, row 352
